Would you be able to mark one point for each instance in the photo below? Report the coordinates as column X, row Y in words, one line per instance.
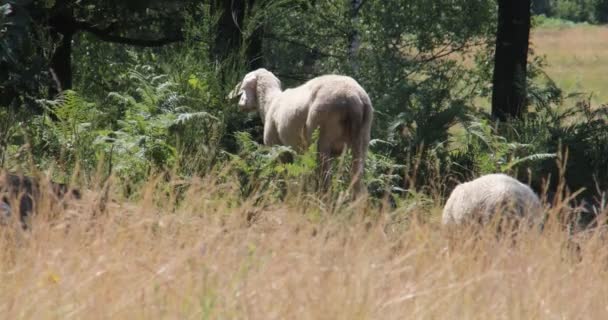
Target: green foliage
column 542, row 21
column 592, row 11
column 279, row 170
column 270, row 170
column 23, row 74
column 490, row 152
column 137, row 111
column 138, row 142
column 528, row 147
column 402, row 61
column 205, row 83
column 579, row 129
column 383, row 175
column 134, row 132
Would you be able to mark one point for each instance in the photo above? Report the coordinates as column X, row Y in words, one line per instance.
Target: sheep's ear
column 248, row 91
column 250, row 81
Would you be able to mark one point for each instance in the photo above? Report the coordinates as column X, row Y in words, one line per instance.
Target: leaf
column 532, row 157
column 48, row 4
column 182, row 118
column 375, row 142
column 193, row 82
column 6, row 10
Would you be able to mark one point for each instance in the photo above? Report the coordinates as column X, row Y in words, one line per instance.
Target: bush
column 592, row 11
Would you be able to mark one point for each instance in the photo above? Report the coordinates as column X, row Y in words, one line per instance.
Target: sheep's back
column 335, row 92
column 330, row 102
column 338, row 105
column 479, row 200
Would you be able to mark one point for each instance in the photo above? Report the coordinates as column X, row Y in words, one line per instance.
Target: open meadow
column 577, row 57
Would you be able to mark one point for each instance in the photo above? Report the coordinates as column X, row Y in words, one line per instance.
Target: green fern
column 491, row 152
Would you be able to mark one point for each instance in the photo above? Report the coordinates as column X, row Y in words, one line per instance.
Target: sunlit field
column 258, row 242
column 577, row 58
column 214, row 257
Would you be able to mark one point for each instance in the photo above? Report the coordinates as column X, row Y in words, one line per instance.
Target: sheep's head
column 256, row 89
column 248, row 92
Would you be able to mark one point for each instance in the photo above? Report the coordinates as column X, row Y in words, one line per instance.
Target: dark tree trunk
column 8, row 93
column 61, row 65
column 228, row 26
column 510, row 62
column 254, row 50
column 230, row 33
column 62, row 27
column 354, row 40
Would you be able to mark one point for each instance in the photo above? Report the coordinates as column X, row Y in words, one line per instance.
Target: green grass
column 542, row 21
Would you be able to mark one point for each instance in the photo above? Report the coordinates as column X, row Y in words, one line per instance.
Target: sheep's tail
column 360, row 135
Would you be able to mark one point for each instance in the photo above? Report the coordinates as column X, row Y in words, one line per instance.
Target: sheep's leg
column 357, row 170
column 359, row 154
column 271, row 136
column 324, row 166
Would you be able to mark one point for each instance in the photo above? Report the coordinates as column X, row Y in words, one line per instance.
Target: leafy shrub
column 579, row 129
column 592, row 11
column 279, row 171
column 487, row 151
column 143, row 129
column 271, row 170
column 542, row 21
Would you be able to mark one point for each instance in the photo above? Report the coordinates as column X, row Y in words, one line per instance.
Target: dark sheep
column 26, row 191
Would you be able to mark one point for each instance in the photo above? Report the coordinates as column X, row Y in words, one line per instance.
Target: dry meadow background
column 577, row 58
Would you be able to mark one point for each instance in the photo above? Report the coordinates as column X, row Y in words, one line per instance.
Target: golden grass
column 215, row 258
column 577, row 57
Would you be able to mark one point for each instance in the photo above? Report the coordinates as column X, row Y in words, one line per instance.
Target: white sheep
column 335, row 104
column 481, row 199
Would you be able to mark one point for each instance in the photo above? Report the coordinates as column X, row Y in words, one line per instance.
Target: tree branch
column 106, row 35
column 358, row 8
column 278, row 38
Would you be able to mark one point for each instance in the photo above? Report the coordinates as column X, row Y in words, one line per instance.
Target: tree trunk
column 354, row 40
column 61, row 65
column 8, row 93
column 230, row 33
column 62, row 28
column 510, row 62
column 253, row 53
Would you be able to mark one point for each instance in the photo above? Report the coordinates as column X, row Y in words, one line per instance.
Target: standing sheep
column 479, row 200
column 337, row 105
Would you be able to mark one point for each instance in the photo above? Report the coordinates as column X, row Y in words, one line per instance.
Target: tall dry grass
column 217, row 257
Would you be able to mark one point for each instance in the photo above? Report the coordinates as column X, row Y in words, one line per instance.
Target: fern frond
column 182, row 118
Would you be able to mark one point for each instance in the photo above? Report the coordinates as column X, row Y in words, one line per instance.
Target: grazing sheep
column 335, row 104
column 25, row 191
column 479, row 200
